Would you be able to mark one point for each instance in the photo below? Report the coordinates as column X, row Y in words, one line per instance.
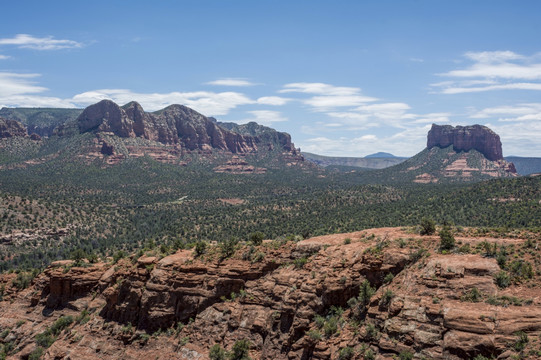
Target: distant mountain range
column 374, row 161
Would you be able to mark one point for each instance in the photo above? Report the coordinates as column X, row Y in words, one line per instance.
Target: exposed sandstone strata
column 176, row 124
column 275, row 302
column 466, row 138
column 11, row 128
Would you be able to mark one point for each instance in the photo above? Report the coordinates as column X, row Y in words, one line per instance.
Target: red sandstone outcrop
column 466, row 138
column 11, row 128
column 176, row 124
column 272, row 296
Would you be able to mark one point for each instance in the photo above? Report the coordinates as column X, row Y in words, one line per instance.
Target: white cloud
column 319, row 88
column 35, row 101
column 328, row 97
column 231, row 82
column 519, row 113
column 16, row 84
column 368, row 137
column 492, row 56
column 512, row 86
column 495, row 70
column 273, row 100
column 20, row 89
column 519, row 138
column 4, row 57
column 406, row 143
column 384, row 114
column 26, row 41
column 431, row 118
column 206, row 102
column 324, row 103
column 264, row 117
column 385, row 110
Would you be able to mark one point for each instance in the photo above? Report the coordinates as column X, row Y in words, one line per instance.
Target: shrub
column 369, row 355
column 217, row 353
column 405, row 355
column 300, row 262
column 522, row 340
column 503, row 279
column 447, row 240
column 428, row 226
column 347, row 241
column 386, row 299
column 314, row 335
column 474, row 295
column 257, row 238
column 60, row 324
column 228, row 247
column 365, row 293
column 240, row 350
column 371, row 332
column 521, row 269
column 45, row 339
column 331, row 326
column 417, row 255
column 319, row 320
column 346, row 353
column 23, row 280
column 200, row 248
column 388, row 278
column 36, row 354
column 78, row 255
column 118, row 255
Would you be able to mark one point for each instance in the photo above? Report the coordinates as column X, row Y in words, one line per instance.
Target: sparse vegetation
column 447, row 240
column 428, row 226
column 240, row 350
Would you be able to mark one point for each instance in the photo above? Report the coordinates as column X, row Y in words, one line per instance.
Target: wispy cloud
column 264, row 117
column 21, row 90
column 206, row 102
column 512, row 86
column 4, row 57
column 26, row 41
column 517, row 113
column 273, row 100
column 328, row 97
column 231, row 82
column 493, row 70
column 17, row 84
column 319, row 88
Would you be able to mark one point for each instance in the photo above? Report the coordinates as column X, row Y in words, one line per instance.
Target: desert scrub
column 502, row 279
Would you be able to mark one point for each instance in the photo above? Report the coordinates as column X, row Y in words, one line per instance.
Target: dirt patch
column 232, row 201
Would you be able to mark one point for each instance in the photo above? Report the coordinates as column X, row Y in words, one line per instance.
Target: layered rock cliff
column 381, row 293
column 466, row 138
column 11, row 128
column 176, row 124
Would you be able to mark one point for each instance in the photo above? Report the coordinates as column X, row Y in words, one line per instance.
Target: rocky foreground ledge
column 375, row 294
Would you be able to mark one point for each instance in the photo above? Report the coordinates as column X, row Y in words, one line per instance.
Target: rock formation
column 290, row 300
column 176, row 124
column 11, row 128
column 466, row 138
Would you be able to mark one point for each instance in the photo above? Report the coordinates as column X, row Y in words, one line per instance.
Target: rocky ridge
column 289, row 299
column 176, row 124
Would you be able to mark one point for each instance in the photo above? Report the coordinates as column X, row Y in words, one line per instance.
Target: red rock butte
column 466, row 138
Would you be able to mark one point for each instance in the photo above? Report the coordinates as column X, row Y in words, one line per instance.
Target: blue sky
column 344, row 78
